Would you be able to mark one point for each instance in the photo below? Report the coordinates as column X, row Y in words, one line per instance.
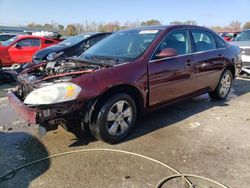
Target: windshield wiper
column 90, row 61
column 115, row 60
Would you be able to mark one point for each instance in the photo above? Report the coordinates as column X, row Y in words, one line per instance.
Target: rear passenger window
column 178, row 40
column 203, row 40
column 49, row 42
column 220, row 43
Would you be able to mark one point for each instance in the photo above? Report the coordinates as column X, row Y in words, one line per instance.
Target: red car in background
column 229, row 36
column 21, row 48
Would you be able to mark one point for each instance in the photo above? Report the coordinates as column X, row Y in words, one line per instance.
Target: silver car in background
column 243, row 41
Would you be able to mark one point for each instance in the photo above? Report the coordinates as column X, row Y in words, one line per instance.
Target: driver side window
column 29, row 42
column 178, row 40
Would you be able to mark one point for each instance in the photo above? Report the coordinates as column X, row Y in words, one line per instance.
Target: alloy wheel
column 119, row 118
column 225, row 84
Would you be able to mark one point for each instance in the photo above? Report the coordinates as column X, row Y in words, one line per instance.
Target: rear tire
column 224, row 86
column 115, row 118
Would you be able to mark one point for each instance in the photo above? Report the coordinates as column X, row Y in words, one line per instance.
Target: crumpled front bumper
column 28, row 114
column 49, row 114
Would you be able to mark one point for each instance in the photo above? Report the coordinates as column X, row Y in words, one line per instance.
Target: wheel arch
column 129, row 89
column 232, row 68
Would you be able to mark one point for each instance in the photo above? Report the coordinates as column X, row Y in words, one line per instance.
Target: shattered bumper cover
column 28, row 114
column 45, row 114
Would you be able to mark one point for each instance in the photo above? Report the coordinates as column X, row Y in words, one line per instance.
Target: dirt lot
column 198, row 136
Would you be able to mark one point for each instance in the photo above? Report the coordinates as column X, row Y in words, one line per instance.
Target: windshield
column 74, row 40
column 5, row 37
column 9, row 41
column 243, row 36
column 128, row 45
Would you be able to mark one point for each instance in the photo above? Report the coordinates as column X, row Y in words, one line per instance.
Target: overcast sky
column 205, row 12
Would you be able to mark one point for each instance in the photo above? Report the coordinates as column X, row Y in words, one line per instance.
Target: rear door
column 171, row 78
column 24, row 49
column 209, row 59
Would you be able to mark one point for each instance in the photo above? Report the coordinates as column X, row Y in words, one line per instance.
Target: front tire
column 115, row 118
column 223, row 88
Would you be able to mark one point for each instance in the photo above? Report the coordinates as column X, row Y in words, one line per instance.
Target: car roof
column 31, row 36
column 94, row 33
column 164, row 27
column 88, row 33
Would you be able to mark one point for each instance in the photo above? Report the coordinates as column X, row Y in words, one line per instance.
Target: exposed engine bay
column 61, row 70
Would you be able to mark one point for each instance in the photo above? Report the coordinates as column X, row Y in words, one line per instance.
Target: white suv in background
column 243, row 41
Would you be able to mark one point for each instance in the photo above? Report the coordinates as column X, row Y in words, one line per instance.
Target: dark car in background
column 6, row 36
column 126, row 74
column 73, row 46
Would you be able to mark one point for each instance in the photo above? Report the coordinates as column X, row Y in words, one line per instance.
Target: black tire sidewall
column 100, row 128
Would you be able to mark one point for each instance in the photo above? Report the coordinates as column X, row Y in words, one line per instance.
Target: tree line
column 74, row 29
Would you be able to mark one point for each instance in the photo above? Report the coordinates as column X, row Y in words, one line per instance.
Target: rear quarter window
column 48, row 41
column 220, row 42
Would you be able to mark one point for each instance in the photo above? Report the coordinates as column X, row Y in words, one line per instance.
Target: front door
column 171, row 77
column 23, row 50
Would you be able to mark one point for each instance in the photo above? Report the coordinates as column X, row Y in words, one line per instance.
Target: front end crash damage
column 33, row 97
column 49, row 116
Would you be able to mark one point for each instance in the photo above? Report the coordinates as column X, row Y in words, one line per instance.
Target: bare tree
column 246, row 25
column 70, row 30
column 151, row 22
column 188, row 22
column 234, row 26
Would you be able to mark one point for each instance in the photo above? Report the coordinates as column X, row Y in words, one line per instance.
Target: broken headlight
column 56, row 93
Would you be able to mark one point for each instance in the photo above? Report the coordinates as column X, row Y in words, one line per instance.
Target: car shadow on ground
column 5, row 87
column 174, row 113
column 17, row 149
column 85, row 140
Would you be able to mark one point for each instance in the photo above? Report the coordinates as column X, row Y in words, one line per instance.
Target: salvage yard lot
column 197, row 136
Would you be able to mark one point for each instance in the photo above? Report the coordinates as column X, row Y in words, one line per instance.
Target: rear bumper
column 28, row 114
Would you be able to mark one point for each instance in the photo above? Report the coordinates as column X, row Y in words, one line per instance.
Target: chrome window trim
column 192, row 53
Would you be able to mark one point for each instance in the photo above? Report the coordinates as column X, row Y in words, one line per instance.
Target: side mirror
column 18, row 46
column 167, row 52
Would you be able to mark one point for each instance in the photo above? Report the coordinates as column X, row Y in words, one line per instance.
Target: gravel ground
column 197, row 136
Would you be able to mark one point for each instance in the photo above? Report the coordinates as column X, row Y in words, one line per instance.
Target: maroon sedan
column 125, row 75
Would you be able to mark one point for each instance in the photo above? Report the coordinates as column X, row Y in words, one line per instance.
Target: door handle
column 188, row 62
